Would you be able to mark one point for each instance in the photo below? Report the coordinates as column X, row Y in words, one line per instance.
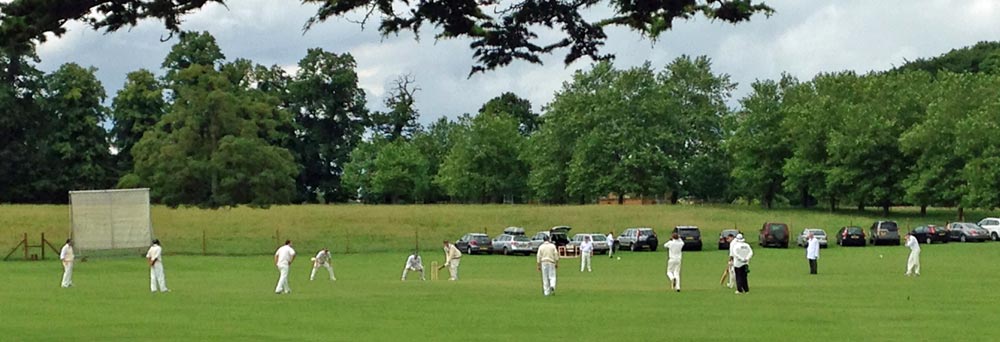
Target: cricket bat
column 725, row 275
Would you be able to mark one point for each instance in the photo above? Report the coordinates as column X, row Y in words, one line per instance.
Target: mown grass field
column 860, row 293
column 857, row 296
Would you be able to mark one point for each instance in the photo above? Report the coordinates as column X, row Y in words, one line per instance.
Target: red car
column 774, row 234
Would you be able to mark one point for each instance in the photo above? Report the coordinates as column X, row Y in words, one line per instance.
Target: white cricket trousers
column 282, row 280
column 731, row 280
column 329, row 269
column 585, row 261
column 674, row 272
column 67, row 279
column 548, row 278
column 453, row 268
column 405, row 269
column 913, row 264
column 157, row 282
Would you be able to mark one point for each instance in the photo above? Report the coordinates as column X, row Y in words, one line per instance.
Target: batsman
column 452, row 257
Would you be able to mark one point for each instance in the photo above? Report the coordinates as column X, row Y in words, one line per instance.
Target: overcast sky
column 803, row 38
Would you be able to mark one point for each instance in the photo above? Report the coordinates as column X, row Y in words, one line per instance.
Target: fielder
column 547, row 263
column 283, row 259
column 66, row 255
column 913, row 263
column 157, row 281
column 675, row 246
column 413, row 263
column 322, row 259
column 586, row 251
column 452, row 257
column 611, row 244
column 812, row 252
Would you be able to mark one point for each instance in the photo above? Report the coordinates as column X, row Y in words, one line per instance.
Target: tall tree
column 137, row 108
column 219, row 145
column 434, row 144
column 484, row 163
column 400, row 173
column 510, row 104
column 400, row 121
column 697, row 97
column 79, row 145
column 23, row 129
column 330, row 115
column 500, row 33
column 192, row 48
column 759, row 146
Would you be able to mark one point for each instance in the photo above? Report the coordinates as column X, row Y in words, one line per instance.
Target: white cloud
column 803, row 38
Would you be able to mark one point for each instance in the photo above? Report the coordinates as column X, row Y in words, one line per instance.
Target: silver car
column 818, row 233
column 600, row 242
column 512, row 241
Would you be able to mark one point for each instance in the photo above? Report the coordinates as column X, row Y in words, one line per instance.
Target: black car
column 774, row 234
column 473, row 243
column 851, row 236
column 691, row 236
column 883, row 232
column 725, row 237
column 930, row 234
column 560, row 235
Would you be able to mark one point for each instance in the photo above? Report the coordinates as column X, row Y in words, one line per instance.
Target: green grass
column 857, row 296
column 363, row 228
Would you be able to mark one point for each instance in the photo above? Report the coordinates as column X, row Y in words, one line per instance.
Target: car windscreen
column 645, row 232
column 890, row 226
column 778, row 230
column 729, row 232
column 688, row 232
column 817, row 232
column 855, row 230
column 598, row 237
column 521, row 238
column 481, row 238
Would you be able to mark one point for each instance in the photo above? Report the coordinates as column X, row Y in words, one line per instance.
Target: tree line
column 212, row 132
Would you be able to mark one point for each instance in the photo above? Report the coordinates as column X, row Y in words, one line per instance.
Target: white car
column 991, row 224
column 818, row 233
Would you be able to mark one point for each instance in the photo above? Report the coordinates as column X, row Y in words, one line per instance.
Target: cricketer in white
column 452, row 257
column 913, row 262
column 66, row 255
column 548, row 263
column 283, row 259
column 413, row 263
column 157, row 281
column 674, row 246
column 586, row 251
column 322, row 259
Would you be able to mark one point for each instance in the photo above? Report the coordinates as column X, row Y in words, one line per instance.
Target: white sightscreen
column 110, row 219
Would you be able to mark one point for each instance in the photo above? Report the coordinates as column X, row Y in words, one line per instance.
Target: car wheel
column 994, row 236
column 652, row 248
column 468, row 250
column 506, row 251
column 928, row 241
column 962, row 238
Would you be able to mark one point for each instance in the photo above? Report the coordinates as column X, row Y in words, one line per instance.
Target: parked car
column 818, row 233
column 473, row 243
column 967, row 231
column 558, row 234
column 600, row 242
column 883, row 232
column 637, row 239
column 929, row 234
column 992, row 225
column 851, row 236
column 774, row 234
column 512, row 241
column 691, row 236
column 725, row 237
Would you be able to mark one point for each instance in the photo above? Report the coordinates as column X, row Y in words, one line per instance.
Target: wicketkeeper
column 322, row 259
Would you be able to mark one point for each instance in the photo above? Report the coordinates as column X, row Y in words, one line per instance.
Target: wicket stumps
column 434, row 270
